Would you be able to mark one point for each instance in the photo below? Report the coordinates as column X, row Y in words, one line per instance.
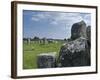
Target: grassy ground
column 31, row 51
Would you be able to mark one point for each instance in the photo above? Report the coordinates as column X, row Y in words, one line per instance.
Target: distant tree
column 44, row 38
column 36, row 38
column 24, row 38
column 65, row 39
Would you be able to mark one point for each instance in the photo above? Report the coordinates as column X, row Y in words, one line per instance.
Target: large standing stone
column 75, row 53
column 78, row 30
column 46, row 60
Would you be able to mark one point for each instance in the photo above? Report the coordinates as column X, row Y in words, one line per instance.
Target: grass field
column 30, row 52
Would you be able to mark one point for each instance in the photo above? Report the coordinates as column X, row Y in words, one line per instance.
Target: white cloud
column 54, row 23
column 67, row 18
column 35, row 19
column 87, row 19
column 41, row 16
column 56, row 18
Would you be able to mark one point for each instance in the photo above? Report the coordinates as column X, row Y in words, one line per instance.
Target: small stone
column 46, row 60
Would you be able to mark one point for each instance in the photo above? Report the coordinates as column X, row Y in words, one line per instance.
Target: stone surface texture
column 78, row 30
column 46, row 60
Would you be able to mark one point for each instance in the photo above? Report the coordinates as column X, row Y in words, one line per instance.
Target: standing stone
column 74, row 53
column 88, row 30
column 28, row 40
column 46, row 60
column 78, row 30
column 45, row 41
column 41, row 41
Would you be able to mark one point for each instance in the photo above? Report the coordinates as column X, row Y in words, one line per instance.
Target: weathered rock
column 46, row 60
column 74, row 53
column 78, row 30
column 88, row 31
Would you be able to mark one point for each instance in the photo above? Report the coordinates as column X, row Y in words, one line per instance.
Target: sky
column 51, row 24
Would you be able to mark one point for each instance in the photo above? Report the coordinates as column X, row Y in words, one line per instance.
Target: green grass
column 30, row 52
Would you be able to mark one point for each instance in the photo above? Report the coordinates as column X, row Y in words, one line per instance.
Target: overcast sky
column 56, row 25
